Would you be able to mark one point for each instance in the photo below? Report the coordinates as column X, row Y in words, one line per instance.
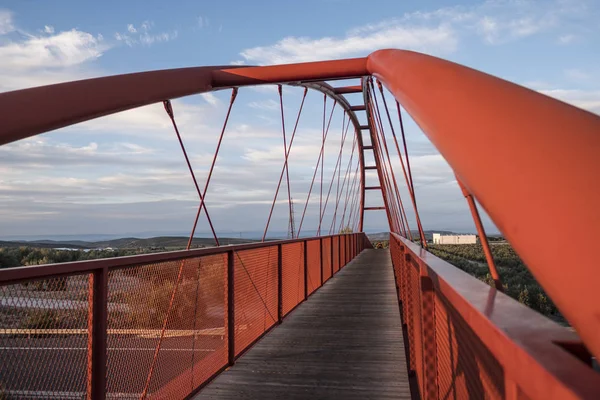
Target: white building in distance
column 454, row 239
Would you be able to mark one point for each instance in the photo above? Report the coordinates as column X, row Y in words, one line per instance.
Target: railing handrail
column 525, row 343
column 46, row 271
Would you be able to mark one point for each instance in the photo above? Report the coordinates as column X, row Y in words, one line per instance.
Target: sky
column 125, row 174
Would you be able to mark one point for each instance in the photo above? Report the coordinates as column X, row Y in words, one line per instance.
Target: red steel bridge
column 322, row 314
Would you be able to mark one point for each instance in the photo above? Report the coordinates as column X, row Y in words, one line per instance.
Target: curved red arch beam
column 531, row 161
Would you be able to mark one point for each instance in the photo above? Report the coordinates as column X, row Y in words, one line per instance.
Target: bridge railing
column 467, row 339
column 155, row 325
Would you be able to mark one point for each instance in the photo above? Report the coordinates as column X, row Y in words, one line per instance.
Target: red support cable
column 322, row 158
column 285, row 165
column 337, row 187
column 386, row 174
column 316, row 169
column 354, row 207
column 347, row 196
column 482, row 236
column 372, row 129
column 407, row 177
column 169, row 110
column 337, row 163
column 212, row 166
column 399, row 198
column 385, row 147
column 393, row 193
column 346, row 175
column 287, row 171
column 354, row 220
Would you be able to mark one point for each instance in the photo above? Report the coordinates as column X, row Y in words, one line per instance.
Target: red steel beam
column 348, row 89
column 64, row 104
column 509, row 147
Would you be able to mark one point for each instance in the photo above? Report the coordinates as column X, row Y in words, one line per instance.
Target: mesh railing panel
column 194, row 345
column 343, row 259
column 45, row 325
column 466, row 368
column 44, row 338
column 326, row 259
column 336, row 254
column 313, row 255
column 396, row 256
column 415, row 340
column 255, row 294
column 292, row 279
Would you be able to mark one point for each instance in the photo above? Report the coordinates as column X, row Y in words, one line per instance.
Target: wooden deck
column 344, row 342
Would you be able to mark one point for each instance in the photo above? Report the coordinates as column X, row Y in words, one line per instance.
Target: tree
column 346, row 230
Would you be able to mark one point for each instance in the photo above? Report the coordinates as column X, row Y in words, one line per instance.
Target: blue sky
column 125, row 174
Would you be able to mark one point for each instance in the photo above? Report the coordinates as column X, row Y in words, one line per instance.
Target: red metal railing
column 101, row 331
column 469, row 340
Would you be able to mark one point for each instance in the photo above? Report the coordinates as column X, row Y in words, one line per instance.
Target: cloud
column 64, row 49
column 566, row 39
column 203, row 22
column 6, row 23
column 143, row 35
column 210, row 98
column 439, row 39
column 50, row 57
column 265, row 105
column 587, row 99
column 437, row 32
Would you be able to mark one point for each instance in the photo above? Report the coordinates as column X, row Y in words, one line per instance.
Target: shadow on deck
column 344, row 342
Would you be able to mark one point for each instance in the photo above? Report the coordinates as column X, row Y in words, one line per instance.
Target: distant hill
column 415, row 234
column 166, row 242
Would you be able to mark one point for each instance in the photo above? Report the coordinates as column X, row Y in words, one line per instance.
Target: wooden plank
column 344, row 342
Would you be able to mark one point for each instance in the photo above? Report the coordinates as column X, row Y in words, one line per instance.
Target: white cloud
column 438, row 32
column 238, row 62
column 144, row 36
column 566, row 39
column 48, row 57
column 6, row 24
column 587, row 99
column 267, row 105
column 64, row 49
column 210, row 98
column 440, row 39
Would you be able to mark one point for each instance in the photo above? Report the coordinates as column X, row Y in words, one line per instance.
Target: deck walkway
column 344, row 342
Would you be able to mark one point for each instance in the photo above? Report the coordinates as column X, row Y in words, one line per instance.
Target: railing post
column 331, row 252
column 279, row 285
column 97, row 323
column 305, row 270
column 430, row 387
column 321, row 258
column 230, row 308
